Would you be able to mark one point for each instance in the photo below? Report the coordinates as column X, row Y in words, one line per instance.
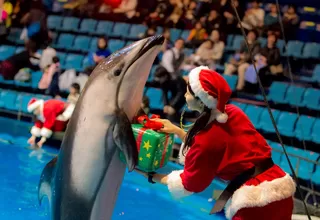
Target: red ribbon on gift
column 147, row 123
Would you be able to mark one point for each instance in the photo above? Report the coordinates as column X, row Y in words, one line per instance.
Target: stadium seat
column 65, row 41
column 265, row 122
column 155, row 96
column 188, row 52
column 35, row 79
column 277, row 146
column 22, row 102
column 304, row 127
column 14, row 36
column 73, row 61
column 93, row 45
column 86, row 63
column 115, row 45
column 174, row 34
column 277, row 92
column 286, row 123
column 229, row 42
column 254, row 113
column 70, row 24
column 311, row 51
column 231, row 80
column 315, row 135
column 136, row 31
column 62, row 57
column 81, row 43
column 129, row 42
column 88, row 26
column 316, row 74
column 263, row 41
column 316, row 176
column 237, row 42
column 311, row 99
column 6, row 51
column 281, row 45
column 276, row 156
column 306, row 168
column 54, row 22
column 293, row 159
column 185, row 34
column 241, row 105
column 104, row 28
column 159, row 30
column 294, row 49
column 8, row 99
column 152, row 72
column 120, row 30
column 294, row 95
column 19, row 49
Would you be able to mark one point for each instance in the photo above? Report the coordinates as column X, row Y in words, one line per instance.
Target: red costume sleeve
column 48, row 124
column 36, row 129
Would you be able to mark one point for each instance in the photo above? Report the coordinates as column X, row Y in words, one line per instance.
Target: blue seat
column 104, row 28
column 93, row 45
column 293, row 159
column 6, row 51
column 62, row 57
column 277, row 92
column 155, row 97
column 70, row 24
column 229, row 42
column 88, row 26
column 152, row 72
column 277, row 146
column 315, row 74
column 86, row 63
column 311, row 50
column 115, row 45
column 22, row 102
column 188, row 52
column 286, row 123
column 315, row 135
column 307, row 168
column 54, row 21
column 81, row 43
column 19, row 49
column 254, row 113
column 14, row 36
column 294, row 49
column 129, row 42
column 35, row 79
column 311, row 99
column 263, row 41
column 265, row 122
column 241, row 105
column 65, row 41
column 281, row 44
column 8, row 99
column 316, row 176
column 120, row 30
column 237, row 42
column 304, row 127
column 276, row 156
column 73, row 61
column 175, row 34
column 294, row 95
column 136, row 31
column 231, row 80
column 185, row 34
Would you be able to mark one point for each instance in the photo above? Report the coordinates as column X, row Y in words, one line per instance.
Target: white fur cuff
column 68, row 112
column 35, row 131
column 260, row 195
column 175, row 185
column 45, row 132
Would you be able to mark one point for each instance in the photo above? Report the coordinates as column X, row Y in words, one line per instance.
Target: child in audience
column 101, row 53
column 74, row 93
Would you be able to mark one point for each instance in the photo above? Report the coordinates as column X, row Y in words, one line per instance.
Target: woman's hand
column 168, row 127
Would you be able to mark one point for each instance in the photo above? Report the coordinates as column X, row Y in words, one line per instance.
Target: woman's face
column 198, row 26
column 273, row 9
column 192, row 102
column 215, row 35
column 102, row 43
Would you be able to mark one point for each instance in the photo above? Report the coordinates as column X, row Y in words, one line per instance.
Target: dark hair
column 255, row 32
column 31, row 46
column 55, row 59
column 76, row 86
column 293, row 7
column 199, row 124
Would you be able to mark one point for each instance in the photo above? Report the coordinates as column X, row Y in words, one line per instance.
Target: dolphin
column 83, row 181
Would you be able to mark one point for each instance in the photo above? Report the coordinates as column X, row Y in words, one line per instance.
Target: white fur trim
column 36, row 104
column 45, row 132
column 66, row 115
column 261, row 195
column 221, row 117
column 198, row 90
column 35, row 131
column 175, row 185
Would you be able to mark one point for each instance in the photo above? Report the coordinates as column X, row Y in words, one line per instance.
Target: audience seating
column 88, row 26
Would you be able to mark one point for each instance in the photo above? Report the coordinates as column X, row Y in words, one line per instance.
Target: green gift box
column 154, row 148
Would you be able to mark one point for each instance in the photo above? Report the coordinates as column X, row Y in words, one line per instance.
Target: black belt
column 237, row 182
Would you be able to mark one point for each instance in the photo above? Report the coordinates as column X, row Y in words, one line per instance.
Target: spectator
column 3, row 20
column 48, row 74
column 229, row 21
column 254, row 17
column 197, row 35
column 190, row 13
column 47, row 56
column 290, row 22
column 213, row 21
column 172, row 59
column 149, row 32
column 127, row 8
column 218, row 46
column 175, row 18
column 168, row 43
column 160, row 14
column 241, row 61
column 74, row 93
column 25, row 59
column 203, row 55
column 271, row 18
column 101, row 53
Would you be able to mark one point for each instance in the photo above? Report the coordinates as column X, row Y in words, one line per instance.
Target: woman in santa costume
column 223, row 143
column 52, row 116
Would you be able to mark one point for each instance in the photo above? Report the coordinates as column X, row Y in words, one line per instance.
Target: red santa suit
column 54, row 116
column 227, row 147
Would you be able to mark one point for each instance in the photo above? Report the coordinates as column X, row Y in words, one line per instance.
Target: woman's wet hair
column 199, row 124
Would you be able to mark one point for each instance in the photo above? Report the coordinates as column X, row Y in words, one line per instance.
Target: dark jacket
column 272, row 55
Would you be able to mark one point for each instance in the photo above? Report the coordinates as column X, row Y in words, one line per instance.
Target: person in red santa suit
column 52, row 116
column 223, row 143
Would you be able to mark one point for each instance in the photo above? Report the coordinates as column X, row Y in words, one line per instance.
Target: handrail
column 299, row 157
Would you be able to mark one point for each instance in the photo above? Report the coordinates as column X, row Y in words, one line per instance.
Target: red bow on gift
column 147, row 123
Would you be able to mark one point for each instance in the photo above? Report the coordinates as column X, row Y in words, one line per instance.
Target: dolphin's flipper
column 44, row 188
column 124, row 139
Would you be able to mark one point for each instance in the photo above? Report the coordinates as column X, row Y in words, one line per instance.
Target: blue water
column 20, row 169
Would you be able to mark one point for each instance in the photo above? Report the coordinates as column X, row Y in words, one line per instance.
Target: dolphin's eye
column 118, row 71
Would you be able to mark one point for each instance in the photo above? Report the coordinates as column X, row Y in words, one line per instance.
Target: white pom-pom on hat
column 212, row 89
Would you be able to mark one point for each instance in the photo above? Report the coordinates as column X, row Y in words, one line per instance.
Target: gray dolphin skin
column 83, row 181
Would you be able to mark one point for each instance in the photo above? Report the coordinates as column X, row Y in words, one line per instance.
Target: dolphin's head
column 123, row 74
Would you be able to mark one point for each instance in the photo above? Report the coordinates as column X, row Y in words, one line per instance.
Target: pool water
column 21, row 167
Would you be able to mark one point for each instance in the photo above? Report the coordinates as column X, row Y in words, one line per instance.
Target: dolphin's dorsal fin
column 124, row 139
column 44, row 188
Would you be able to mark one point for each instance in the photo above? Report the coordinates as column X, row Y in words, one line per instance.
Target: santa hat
column 34, row 103
column 212, row 89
